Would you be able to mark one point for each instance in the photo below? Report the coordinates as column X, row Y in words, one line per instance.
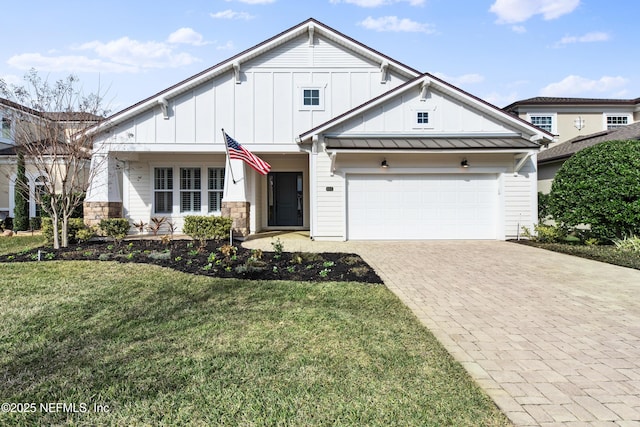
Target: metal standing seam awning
column 521, row 148
column 435, row 143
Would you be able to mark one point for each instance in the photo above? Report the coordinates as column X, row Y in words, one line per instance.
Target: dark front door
column 285, row 199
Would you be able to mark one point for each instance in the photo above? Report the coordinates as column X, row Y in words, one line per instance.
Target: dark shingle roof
column 572, row 146
column 549, row 100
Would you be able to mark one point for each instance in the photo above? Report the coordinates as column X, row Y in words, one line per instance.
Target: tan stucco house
column 573, row 120
column 360, row 145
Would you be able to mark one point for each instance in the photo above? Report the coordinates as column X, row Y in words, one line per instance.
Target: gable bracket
column 384, row 69
column 423, row 90
column 236, row 71
column 311, row 31
column 164, row 106
column 521, row 161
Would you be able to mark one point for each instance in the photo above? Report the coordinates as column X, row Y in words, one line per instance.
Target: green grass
column 20, row 242
column 161, row 347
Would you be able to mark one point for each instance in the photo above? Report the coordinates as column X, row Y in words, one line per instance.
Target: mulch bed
column 216, row 259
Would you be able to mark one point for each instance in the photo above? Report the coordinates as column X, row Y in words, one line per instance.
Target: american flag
column 237, row 151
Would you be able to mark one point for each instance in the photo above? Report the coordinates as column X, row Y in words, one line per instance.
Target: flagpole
column 226, row 146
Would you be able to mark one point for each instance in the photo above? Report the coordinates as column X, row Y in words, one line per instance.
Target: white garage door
column 422, row 206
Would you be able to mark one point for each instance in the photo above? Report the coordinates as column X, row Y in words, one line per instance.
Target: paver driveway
column 553, row 339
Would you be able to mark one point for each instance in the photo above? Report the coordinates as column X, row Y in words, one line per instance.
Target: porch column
column 103, row 198
column 235, row 203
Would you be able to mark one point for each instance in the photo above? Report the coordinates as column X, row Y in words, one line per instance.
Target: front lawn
column 153, row 346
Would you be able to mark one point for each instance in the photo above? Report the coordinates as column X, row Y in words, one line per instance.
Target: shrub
column 21, row 197
column 629, row 244
column 600, row 187
column 545, row 233
column 203, row 228
column 35, row 223
column 115, row 228
column 543, row 206
column 77, row 230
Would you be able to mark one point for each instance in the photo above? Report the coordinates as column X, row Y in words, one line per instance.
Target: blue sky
column 498, row 50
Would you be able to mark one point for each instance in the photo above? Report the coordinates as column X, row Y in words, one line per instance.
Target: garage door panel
column 422, row 206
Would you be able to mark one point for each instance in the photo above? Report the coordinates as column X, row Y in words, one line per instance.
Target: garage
column 424, row 206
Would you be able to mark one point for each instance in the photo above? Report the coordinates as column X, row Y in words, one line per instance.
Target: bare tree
column 50, row 123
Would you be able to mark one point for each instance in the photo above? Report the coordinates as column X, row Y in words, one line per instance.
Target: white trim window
column 190, row 190
column 5, row 130
column 616, row 121
column 163, row 190
column 215, row 188
column 312, row 98
column 543, row 121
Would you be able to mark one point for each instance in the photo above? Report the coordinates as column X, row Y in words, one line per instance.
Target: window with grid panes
column 163, row 190
column 615, row 122
column 190, row 190
column 311, row 97
column 215, row 187
column 543, row 122
column 6, row 128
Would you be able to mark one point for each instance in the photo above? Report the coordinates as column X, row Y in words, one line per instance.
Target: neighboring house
column 550, row 160
column 16, row 120
column 360, row 147
column 569, row 118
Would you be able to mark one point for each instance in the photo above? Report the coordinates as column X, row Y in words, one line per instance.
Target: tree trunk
column 65, row 230
column 56, row 235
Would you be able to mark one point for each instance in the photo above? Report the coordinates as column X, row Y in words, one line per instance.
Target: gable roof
column 431, row 80
column 569, row 148
column 310, row 26
column 564, row 101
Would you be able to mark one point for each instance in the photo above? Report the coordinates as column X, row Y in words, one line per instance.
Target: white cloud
column 582, row 86
column 186, row 36
column 67, row 63
column 139, row 54
column 587, row 38
column 377, row 3
column 465, row 79
column 501, row 100
column 514, row 11
column 520, row 29
column 231, row 14
column 393, row 23
column 227, row 46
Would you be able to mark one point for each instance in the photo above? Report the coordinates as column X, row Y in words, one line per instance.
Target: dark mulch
column 186, row 256
column 603, row 253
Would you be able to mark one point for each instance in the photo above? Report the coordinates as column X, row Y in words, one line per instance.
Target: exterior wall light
column 384, row 164
column 464, row 163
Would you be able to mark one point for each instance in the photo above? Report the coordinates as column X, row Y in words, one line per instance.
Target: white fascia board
column 201, row 148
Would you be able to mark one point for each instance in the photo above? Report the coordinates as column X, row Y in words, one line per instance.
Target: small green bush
column 35, row 223
column 203, row 228
column 545, row 233
column 77, row 230
column 115, row 228
column 629, row 244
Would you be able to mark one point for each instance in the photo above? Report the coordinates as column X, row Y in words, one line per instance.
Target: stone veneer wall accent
column 239, row 213
column 96, row 211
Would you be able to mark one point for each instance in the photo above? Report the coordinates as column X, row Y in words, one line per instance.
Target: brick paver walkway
column 553, row 339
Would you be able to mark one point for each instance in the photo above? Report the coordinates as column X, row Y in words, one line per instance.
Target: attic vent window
column 422, row 118
column 312, row 98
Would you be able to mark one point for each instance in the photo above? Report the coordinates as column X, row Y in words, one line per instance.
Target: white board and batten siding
column 265, row 107
column 423, row 197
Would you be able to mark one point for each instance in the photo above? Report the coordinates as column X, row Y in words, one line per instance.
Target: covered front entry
column 285, row 199
column 422, row 206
